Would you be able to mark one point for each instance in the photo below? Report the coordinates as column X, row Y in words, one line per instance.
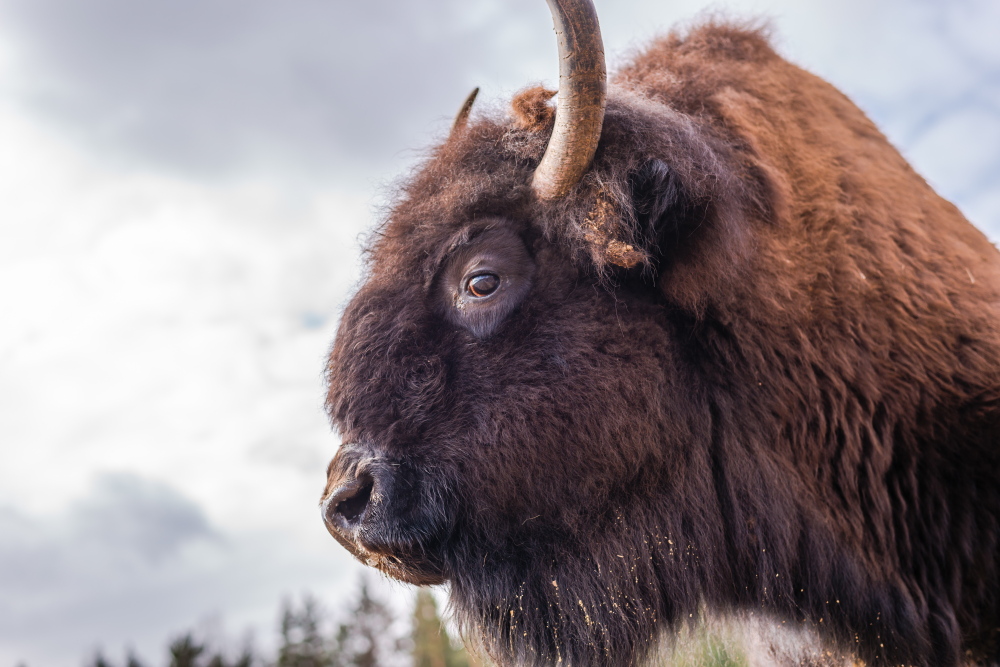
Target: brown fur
column 758, row 367
column 532, row 110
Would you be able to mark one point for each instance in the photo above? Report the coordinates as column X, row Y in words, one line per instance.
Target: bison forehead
column 485, row 172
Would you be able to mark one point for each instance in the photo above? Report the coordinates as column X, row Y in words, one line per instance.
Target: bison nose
column 345, row 508
column 353, row 504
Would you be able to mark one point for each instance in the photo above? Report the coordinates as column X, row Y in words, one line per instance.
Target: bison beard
column 750, row 362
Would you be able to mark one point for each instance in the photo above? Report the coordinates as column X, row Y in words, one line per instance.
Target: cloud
column 174, row 332
column 132, row 561
column 213, row 85
column 345, row 91
column 63, row 574
column 127, row 514
column 125, row 521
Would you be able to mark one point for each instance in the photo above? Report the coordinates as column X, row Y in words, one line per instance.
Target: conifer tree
column 100, row 660
column 132, row 660
column 245, row 659
column 431, row 645
column 430, row 640
column 366, row 639
column 302, row 644
column 185, row 651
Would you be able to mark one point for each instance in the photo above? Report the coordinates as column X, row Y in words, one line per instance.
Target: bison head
column 623, row 358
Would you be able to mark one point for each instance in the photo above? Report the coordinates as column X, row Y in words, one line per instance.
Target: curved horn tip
column 581, row 101
column 462, row 117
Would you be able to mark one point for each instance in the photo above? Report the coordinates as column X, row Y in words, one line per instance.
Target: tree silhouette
column 431, row 645
column 366, row 639
column 185, row 651
column 302, row 644
column 246, row 659
column 100, row 660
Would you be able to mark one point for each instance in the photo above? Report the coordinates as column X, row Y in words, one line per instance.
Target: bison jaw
column 359, row 510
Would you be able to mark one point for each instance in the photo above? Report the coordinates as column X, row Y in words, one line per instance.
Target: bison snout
column 375, row 508
column 356, row 482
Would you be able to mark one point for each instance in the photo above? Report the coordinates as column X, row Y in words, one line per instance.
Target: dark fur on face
column 752, row 361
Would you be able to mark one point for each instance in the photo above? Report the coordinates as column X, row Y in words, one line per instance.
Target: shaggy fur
column 757, row 367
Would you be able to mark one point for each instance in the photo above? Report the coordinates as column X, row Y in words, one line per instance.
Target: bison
column 697, row 337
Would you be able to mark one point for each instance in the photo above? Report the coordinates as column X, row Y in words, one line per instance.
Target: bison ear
column 640, row 233
column 660, row 209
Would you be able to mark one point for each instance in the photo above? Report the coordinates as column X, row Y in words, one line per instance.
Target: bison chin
column 375, row 507
column 552, row 593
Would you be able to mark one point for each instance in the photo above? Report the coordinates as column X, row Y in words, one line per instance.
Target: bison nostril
column 351, row 502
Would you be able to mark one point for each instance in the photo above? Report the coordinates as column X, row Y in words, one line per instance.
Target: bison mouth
column 373, row 507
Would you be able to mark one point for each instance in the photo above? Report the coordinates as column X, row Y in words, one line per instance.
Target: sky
column 184, row 189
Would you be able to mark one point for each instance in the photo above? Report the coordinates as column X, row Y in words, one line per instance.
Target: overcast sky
column 183, row 184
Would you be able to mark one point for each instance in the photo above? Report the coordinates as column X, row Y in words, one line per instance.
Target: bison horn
column 462, row 117
column 580, row 105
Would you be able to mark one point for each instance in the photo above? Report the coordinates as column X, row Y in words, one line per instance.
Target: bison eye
column 485, row 279
column 482, row 284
